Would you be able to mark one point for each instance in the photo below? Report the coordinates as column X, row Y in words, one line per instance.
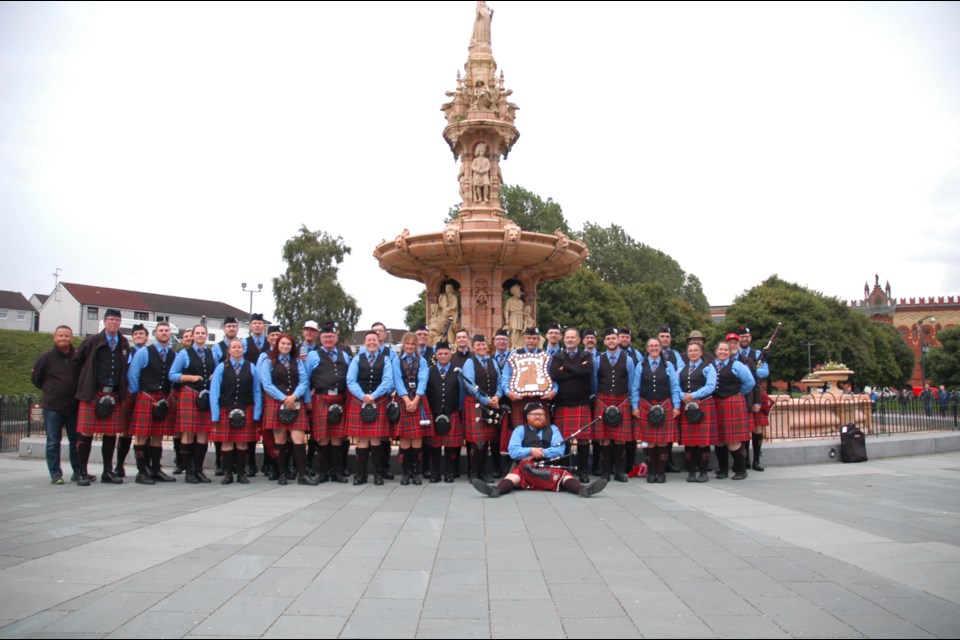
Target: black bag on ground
column 853, row 444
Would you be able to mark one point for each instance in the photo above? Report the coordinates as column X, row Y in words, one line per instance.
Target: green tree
column 309, row 289
column 416, row 312
column 652, row 306
column 942, row 364
column 581, row 300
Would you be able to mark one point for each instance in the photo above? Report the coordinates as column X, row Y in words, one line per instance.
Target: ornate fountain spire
column 480, row 128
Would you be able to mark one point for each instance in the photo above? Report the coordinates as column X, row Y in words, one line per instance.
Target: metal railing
column 821, row 416
column 16, row 422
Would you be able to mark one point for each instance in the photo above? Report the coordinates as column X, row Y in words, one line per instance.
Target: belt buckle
column 107, row 389
column 332, row 392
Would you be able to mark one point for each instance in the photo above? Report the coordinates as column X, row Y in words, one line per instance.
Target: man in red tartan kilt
column 613, row 374
column 326, row 368
column 370, row 383
column 572, row 370
column 698, row 381
column 655, row 384
column 758, row 403
column 103, row 361
column 534, row 441
column 139, row 337
column 734, row 424
column 153, row 418
column 481, row 404
column 410, row 373
column 236, row 404
column 192, row 370
column 443, row 398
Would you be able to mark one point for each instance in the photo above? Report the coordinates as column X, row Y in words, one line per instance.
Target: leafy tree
column 942, row 364
column 581, row 300
column 651, row 307
column 531, row 212
column 309, row 289
column 416, row 312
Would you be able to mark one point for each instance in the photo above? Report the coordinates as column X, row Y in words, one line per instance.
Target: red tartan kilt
column 569, row 419
column 144, row 424
column 319, row 428
column 223, row 432
column 704, row 433
column 89, row 424
column 270, row 420
column 357, row 428
column 506, row 430
column 475, row 431
column 760, row 420
column 128, row 408
column 734, row 423
column 668, row 432
column 544, row 479
column 625, row 432
column 409, row 427
column 189, row 418
column 453, row 438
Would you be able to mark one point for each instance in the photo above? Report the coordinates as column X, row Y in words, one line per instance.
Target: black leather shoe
column 282, row 480
column 336, row 477
column 119, row 471
column 661, row 478
column 487, row 489
column 191, row 478
column 202, row 477
column 83, row 480
column 450, row 477
column 251, row 471
column 691, row 476
column 160, row 476
column 416, row 481
column 275, row 475
column 651, row 478
column 227, row 478
column 143, row 478
column 387, row 475
column 310, row 481
column 672, row 468
column 109, row 477
column 620, row 476
column 242, row 478
column 584, row 477
column 757, row 466
column 740, row 476
column 358, row 480
column 219, row 470
column 592, row 488
column 405, row 480
column 177, row 467
column 74, row 477
column 378, row 479
column 722, row 475
column 702, row 477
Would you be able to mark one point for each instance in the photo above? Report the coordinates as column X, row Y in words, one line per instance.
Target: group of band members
column 432, row 400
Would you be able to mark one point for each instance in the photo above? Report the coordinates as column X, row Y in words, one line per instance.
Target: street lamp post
column 923, row 349
column 259, row 289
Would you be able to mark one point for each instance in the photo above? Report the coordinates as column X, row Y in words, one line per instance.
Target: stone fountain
column 482, row 269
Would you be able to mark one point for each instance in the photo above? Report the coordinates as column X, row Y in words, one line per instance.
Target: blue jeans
column 54, row 423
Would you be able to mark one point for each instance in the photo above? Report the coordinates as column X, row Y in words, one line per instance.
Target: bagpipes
column 490, row 415
column 547, row 463
column 768, row 350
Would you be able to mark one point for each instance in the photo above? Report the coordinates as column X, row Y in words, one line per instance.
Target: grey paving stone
column 439, row 604
column 200, row 596
column 517, row 585
column 459, row 571
column 453, row 628
column 243, row 616
column 404, row 585
column 738, row 626
column 288, row 626
column 712, row 598
column 30, row 625
column 105, row 614
column 158, row 624
column 280, row 582
column 240, row 567
column 592, row 628
column 373, row 616
column 515, row 619
column 801, row 619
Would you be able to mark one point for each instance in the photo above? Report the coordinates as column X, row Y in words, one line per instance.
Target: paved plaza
column 828, row 550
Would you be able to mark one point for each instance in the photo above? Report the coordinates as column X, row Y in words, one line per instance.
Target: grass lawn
column 18, row 351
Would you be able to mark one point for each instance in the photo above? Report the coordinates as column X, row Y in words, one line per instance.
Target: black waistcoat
column 203, row 369
column 572, row 390
column 109, row 367
column 728, row 384
column 286, row 379
column 369, row 378
column 236, row 391
column 411, row 372
column 443, row 394
column 537, row 438
column 155, row 377
column 486, row 377
column 613, row 379
column 654, row 385
column 252, row 353
column 691, row 381
column 330, row 373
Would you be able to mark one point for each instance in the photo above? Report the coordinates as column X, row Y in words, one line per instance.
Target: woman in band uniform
column 734, row 423
column 235, row 385
column 370, row 382
column 698, row 381
column 285, row 383
column 192, row 371
column 480, row 427
column 410, row 375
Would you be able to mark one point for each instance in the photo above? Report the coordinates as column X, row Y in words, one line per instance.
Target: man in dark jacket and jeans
column 56, row 373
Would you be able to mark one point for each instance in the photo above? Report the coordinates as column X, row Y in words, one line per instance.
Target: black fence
column 16, row 422
column 821, row 416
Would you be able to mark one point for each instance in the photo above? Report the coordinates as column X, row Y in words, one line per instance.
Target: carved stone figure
column 480, row 168
column 481, row 25
column 401, row 242
column 513, row 319
column 448, row 306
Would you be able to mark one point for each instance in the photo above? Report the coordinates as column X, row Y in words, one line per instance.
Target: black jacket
column 57, row 375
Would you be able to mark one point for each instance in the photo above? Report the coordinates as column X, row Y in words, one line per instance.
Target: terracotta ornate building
column 918, row 320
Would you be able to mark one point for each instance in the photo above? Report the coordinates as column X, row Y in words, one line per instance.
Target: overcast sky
column 140, row 142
